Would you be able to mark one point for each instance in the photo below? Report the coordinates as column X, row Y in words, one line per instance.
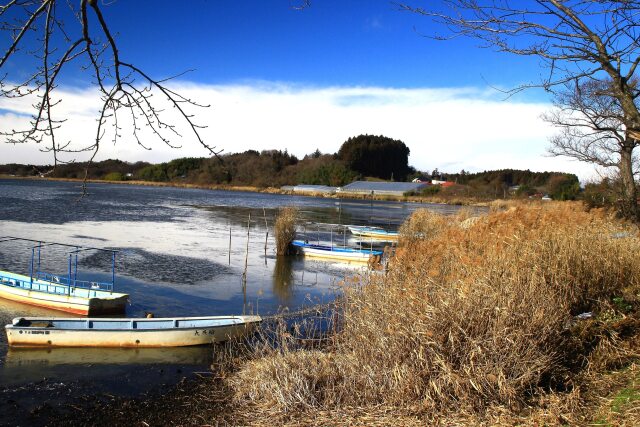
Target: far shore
column 457, row 201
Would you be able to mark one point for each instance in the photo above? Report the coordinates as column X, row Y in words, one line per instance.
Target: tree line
column 360, row 157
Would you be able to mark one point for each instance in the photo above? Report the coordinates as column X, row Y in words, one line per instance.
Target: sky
column 275, row 77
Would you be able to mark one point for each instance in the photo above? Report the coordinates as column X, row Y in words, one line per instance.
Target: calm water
column 174, row 260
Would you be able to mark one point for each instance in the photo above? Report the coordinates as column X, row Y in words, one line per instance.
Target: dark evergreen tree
column 376, row 156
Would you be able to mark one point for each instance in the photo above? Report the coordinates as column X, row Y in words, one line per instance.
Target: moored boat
column 373, row 232
column 58, row 295
column 62, row 292
column 123, row 332
column 335, row 253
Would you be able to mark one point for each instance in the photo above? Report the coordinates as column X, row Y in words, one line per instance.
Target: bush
column 431, row 190
column 285, row 229
column 114, row 176
column 601, row 195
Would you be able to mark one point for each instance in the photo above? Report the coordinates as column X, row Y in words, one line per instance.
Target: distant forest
column 361, row 157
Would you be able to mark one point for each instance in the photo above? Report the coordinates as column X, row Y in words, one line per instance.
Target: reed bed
column 285, row 229
column 472, row 324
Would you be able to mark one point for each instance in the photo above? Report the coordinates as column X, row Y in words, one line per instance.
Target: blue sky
column 355, row 42
column 290, row 79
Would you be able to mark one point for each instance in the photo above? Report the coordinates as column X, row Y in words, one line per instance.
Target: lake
column 181, row 252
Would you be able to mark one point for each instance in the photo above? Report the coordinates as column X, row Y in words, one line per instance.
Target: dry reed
column 470, row 324
column 285, row 229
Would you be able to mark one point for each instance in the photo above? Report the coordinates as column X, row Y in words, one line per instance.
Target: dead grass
column 422, row 225
column 471, row 325
column 285, row 229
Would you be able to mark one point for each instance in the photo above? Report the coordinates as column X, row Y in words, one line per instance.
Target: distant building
column 381, row 188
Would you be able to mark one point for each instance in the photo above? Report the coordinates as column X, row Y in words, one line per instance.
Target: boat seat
column 41, row 324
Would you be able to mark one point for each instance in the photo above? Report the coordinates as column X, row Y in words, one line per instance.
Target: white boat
column 335, row 253
column 123, row 332
column 373, row 232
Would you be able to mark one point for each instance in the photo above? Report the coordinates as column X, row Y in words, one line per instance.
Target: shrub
column 285, row 229
column 114, row 176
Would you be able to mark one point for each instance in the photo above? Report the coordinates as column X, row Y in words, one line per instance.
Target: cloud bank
column 445, row 128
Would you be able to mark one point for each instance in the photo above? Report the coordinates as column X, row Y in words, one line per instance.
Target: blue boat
column 335, row 253
column 62, row 292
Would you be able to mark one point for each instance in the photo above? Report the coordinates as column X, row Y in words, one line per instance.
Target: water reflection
column 29, row 357
column 283, row 278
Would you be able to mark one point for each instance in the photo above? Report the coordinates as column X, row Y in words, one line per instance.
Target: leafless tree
column 57, row 33
column 589, row 51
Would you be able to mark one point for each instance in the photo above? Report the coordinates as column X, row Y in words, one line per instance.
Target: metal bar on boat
column 39, row 248
column 69, row 282
column 75, row 270
column 344, row 238
column 113, row 271
column 33, row 252
column 80, row 248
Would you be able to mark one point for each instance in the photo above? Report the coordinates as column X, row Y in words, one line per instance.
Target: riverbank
column 434, row 199
column 529, row 316
column 612, row 399
column 526, row 316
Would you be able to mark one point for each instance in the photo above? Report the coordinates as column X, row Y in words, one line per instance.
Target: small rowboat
column 122, row 332
column 58, row 293
column 374, row 232
column 335, row 253
column 62, row 292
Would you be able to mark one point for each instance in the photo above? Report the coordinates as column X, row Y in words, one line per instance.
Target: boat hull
column 140, row 333
column 335, row 254
column 374, row 233
column 16, row 287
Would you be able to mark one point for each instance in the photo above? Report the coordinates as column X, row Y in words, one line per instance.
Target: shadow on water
column 180, row 270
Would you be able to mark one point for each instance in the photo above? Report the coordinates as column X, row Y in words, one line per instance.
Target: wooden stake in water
column 244, row 274
column 266, row 237
column 229, row 245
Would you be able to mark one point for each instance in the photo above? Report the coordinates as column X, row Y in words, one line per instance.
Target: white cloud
column 447, row 128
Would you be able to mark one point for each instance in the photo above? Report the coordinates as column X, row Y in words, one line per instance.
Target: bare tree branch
column 121, row 85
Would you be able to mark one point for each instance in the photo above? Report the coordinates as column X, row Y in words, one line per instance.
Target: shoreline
column 266, row 190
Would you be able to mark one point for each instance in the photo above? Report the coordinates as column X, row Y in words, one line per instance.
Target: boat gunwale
column 250, row 320
column 369, row 231
column 99, row 294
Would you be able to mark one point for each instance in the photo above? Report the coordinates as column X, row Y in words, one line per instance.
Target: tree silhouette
column 376, row 156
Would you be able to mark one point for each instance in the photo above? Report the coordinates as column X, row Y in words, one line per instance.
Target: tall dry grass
column 467, row 319
column 285, row 229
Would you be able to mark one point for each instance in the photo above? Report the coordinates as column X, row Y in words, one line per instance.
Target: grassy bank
column 473, row 324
